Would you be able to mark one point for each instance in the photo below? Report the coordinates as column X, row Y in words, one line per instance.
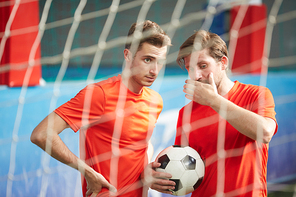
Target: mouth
column 203, row 81
column 150, row 79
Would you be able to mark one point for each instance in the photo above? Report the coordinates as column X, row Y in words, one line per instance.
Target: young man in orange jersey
column 116, row 118
column 229, row 123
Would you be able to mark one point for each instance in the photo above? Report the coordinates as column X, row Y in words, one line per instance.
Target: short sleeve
column 84, row 109
column 266, row 104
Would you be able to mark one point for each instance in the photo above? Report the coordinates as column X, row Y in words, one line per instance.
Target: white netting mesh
column 24, row 173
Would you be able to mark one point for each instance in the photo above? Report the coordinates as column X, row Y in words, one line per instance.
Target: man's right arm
column 46, row 136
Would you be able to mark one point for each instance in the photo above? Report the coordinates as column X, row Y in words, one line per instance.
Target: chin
column 147, row 84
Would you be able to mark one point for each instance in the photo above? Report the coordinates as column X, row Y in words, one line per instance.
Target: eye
column 203, row 66
column 147, row 60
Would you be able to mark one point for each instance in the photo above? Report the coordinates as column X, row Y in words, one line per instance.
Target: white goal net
column 82, row 42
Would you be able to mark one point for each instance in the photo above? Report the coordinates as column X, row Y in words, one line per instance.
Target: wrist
column 84, row 169
column 215, row 101
column 218, row 103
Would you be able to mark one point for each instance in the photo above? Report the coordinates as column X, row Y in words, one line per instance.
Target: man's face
column 200, row 64
column 146, row 64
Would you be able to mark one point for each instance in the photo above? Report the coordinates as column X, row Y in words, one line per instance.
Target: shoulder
column 249, row 93
column 147, row 92
column 109, row 81
column 97, row 89
column 242, row 86
column 106, row 85
column 249, row 88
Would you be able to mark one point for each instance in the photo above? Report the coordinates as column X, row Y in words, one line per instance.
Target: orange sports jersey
column 240, row 170
column 115, row 126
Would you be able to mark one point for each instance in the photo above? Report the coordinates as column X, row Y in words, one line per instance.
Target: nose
column 155, row 68
column 195, row 74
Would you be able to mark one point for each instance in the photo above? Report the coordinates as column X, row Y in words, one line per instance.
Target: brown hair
column 203, row 40
column 152, row 33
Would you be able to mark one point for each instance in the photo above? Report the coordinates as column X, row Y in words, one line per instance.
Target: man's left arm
column 246, row 122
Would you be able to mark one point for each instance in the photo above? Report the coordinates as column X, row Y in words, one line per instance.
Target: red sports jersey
column 115, row 126
column 240, row 170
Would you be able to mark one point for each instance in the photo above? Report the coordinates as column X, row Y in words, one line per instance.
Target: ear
column 127, row 55
column 224, row 62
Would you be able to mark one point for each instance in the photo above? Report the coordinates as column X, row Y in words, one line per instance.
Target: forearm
column 58, row 150
column 46, row 136
column 246, row 122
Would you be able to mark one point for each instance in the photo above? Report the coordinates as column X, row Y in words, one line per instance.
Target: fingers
column 212, row 81
column 154, row 164
column 190, row 81
column 88, row 192
column 157, row 180
column 165, row 183
column 188, row 89
column 95, row 186
column 164, row 186
column 198, row 88
column 112, row 188
column 159, row 174
column 190, row 97
column 149, row 175
column 166, row 190
column 162, row 181
column 162, row 175
column 94, row 194
column 189, row 86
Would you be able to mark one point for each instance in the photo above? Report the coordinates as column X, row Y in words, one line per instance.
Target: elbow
column 266, row 139
column 268, row 130
column 37, row 138
column 267, row 135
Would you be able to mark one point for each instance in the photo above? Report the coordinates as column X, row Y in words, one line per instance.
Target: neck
column 224, row 86
column 129, row 83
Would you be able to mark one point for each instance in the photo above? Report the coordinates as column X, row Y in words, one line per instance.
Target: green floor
column 284, row 191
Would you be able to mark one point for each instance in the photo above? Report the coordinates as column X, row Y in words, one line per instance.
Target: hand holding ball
column 185, row 165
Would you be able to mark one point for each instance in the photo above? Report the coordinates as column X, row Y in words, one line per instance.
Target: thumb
column 108, row 185
column 94, row 194
column 155, row 164
column 111, row 188
column 212, row 81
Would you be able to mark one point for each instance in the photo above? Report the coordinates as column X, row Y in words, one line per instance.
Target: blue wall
column 29, row 171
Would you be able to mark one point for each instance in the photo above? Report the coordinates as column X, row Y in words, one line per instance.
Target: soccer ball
column 185, row 165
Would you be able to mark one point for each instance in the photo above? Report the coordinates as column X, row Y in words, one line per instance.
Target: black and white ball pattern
column 185, row 165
